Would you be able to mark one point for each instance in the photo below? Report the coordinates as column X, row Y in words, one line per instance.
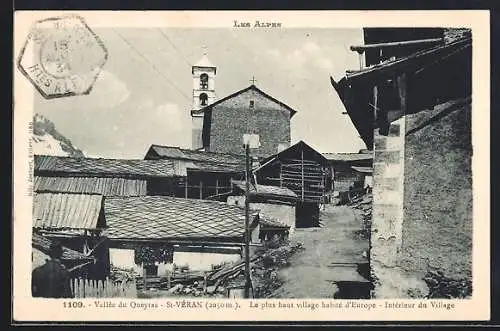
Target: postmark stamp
column 62, row 57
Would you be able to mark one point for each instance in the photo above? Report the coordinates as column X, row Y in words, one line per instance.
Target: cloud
column 108, row 91
column 170, row 114
column 297, row 59
column 308, row 53
column 275, row 53
column 311, row 47
column 324, row 63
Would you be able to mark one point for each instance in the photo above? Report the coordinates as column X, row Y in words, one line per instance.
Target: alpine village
column 245, row 213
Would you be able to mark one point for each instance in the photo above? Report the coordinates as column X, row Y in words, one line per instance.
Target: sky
column 143, row 94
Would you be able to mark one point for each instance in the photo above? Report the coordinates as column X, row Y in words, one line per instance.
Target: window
column 204, row 81
column 203, row 99
column 252, row 103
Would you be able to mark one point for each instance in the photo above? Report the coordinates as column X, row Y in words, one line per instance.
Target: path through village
column 331, row 254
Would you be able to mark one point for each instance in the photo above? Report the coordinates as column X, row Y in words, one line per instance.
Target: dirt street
column 331, row 254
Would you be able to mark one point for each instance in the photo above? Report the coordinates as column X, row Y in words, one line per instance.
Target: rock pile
column 265, row 272
column 442, row 287
column 364, row 205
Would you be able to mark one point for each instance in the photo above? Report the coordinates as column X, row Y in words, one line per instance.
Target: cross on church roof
column 253, row 80
column 204, row 49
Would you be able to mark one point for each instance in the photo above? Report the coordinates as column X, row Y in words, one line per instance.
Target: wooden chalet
column 109, row 177
column 367, row 174
column 304, row 171
column 344, row 175
column 208, row 174
column 276, row 204
column 414, row 109
column 389, row 87
column 191, row 233
column 76, row 262
column 77, row 221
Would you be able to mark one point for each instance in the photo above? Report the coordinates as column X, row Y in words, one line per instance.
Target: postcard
column 251, row 166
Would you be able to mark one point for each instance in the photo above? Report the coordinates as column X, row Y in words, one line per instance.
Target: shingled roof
column 268, row 223
column 107, row 186
column 198, row 160
column 67, row 211
column 162, row 217
column 365, row 170
column 266, row 190
column 99, row 166
column 177, row 153
column 347, row 157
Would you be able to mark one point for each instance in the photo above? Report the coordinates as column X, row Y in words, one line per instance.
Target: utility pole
column 249, row 141
column 247, row 220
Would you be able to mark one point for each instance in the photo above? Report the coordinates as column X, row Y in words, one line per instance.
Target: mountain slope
column 48, row 141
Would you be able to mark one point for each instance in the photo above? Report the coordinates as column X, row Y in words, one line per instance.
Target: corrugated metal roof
column 148, row 168
column 266, row 189
column 348, row 156
column 172, row 152
column 108, row 186
column 42, row 244
column 161, row 217
column 66, row 211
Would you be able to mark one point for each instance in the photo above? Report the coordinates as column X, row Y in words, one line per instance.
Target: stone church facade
column 219, row 125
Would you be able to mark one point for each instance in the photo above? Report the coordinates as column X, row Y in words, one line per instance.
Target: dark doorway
column 307, row 215
column 151, row 270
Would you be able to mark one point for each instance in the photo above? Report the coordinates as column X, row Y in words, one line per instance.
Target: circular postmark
column 62, row 57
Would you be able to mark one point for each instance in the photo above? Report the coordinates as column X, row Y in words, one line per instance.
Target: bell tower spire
column 203, row 72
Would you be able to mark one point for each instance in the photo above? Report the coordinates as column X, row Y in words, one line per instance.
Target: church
column 218, row 125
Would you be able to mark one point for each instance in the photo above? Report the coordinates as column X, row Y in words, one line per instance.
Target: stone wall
column 421, row 235
column 437, row 227
column 234, row 117
column 390, row 281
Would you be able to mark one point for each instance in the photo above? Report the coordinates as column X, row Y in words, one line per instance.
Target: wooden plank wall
column 305, row 177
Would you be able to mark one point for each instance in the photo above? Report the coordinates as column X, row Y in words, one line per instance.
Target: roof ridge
column 98, row 158
column 252, row 86
column 197, row 151
column 67, row 193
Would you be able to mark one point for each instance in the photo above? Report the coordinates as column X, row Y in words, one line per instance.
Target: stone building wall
column 234, row 117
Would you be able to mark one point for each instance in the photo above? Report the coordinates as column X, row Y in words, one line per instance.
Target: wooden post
column 402, row 93
column 168, row 280
column 281, row 176
column 302, row 168
column 144, row 276
column 72, row 287
column 201, row 190
column 361, row 59
column 81, row 288
column 216, row 186
column 186, row 188
column 323, row 187
column 247, row 221
column 375, row 102
column 84, row 294
column 204, row 283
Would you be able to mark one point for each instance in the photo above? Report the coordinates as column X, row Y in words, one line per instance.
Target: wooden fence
column 89, row 288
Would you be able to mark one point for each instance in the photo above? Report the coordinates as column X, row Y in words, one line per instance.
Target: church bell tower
column 203, row 73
